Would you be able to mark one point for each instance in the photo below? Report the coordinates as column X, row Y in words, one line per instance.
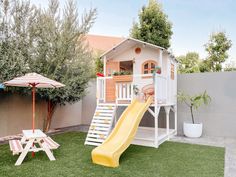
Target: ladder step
column 106, row 104
column 104, row 122
column 97, row 132
column 95, row 136
column 103, row 114
column 104, row 111
column 92, row 143
column 105, row 108
column 99, row 125
column 96, row 140
column 102, row 118
column 99, row 128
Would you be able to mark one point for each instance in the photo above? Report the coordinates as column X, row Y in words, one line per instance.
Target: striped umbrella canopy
column 34, row 81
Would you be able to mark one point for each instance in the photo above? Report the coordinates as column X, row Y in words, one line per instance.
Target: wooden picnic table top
column 29, row 134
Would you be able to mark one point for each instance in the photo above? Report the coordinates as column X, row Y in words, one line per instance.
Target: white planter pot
column 192, row 130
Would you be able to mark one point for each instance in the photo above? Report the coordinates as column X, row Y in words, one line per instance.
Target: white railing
column 100, row 89
column 124, row 91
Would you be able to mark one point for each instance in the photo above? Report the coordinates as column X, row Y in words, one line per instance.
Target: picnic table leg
column 49, row 153
column 24, row 152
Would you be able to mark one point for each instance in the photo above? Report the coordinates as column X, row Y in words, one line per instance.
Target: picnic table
column 33, row 142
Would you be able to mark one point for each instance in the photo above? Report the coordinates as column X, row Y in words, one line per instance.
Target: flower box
column 123, row 78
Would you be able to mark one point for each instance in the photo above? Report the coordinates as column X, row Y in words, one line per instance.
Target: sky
column 193, row 20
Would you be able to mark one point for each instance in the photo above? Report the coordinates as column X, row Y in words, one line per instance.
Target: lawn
column 73, row 159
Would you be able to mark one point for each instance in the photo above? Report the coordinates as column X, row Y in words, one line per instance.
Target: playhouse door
column 111, row 67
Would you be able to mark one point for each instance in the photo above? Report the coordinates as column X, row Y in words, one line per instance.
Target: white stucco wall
column 68, row 115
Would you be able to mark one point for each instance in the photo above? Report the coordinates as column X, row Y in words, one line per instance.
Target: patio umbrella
column 33, row 80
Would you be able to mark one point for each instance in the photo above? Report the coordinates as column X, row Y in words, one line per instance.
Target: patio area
column 172, row 159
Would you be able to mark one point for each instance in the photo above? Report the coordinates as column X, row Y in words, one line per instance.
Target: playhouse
column 136, row 69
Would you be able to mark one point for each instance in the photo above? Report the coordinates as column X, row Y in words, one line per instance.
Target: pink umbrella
column 33, row 80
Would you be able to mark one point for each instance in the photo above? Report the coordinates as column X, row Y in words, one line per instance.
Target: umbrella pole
column 33, row 111
column 33, row 107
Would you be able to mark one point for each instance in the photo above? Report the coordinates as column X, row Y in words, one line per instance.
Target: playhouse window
column 172, row 72
column 148, row 67
column 126, row 66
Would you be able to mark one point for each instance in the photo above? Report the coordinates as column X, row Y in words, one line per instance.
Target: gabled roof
column 99, row 43
column 131, row 42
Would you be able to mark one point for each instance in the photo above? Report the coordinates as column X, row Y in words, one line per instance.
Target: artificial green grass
column 74, row 159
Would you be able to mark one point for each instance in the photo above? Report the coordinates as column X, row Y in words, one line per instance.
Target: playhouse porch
column 105, row 116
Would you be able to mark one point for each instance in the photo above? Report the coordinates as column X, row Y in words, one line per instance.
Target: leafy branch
column 194, row 102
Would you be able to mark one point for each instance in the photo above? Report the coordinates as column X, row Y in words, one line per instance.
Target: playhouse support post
column 175, row 115
column 167, row 110
column 104, row 81
column 157, row 109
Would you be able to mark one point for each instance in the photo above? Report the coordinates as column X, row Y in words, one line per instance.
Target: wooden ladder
column 101, row 124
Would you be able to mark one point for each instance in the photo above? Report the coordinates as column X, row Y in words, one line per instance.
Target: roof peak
column 134, row 41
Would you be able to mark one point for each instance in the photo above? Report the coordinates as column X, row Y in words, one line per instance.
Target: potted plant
column 158, row 69
column 193, row 129
column 123, row 76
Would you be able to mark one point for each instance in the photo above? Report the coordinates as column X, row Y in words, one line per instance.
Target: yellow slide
column 108, row 153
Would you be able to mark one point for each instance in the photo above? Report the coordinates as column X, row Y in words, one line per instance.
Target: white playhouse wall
column 146, row 54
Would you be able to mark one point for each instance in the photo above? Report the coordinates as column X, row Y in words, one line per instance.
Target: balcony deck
column 122, row 92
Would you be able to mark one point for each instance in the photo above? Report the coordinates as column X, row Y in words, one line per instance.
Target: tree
column 189, row 63
column 98, row 65
column 153, row 25
column 50, row 43
column 230, row 66
column 204, row 66
column 15, row 37
column 217, row 48
column 61, row 54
